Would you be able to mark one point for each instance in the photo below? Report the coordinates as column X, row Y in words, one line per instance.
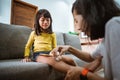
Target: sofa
column 12, row 42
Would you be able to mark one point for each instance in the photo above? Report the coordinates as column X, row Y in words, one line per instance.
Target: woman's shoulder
column 113, row 22
column 112, row 27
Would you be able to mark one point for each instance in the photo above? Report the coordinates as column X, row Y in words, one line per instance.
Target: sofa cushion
column 60, row 38
column 72, row 40
column 12, row 40
column 14, row 69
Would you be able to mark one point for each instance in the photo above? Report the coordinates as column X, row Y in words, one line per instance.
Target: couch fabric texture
column 12, row 42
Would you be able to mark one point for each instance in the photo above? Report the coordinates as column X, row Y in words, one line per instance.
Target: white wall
column 5, row 11
column 59, row 9
column 118, row 1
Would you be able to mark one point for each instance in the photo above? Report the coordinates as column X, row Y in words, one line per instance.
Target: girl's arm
column 29, row 44
column 27, row 48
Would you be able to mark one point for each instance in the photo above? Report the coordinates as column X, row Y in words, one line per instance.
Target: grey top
column 109, row 48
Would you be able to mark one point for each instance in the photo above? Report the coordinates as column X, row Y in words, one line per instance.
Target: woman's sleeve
column 97, row 52
column 112, row 40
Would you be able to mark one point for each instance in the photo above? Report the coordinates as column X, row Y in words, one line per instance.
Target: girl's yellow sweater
column 43, row 42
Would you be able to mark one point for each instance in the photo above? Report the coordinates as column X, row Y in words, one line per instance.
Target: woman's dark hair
column 46, row 14
column 95, row 14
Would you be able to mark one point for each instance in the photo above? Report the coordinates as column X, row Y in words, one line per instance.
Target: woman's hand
column 59, row 50
column 73, row 73
column 26, row 59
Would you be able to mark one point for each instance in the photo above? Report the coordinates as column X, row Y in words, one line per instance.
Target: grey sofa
column 12, row 42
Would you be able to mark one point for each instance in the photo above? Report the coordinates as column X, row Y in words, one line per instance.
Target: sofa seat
column 15, row 69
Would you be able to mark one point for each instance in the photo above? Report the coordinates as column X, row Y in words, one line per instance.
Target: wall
column 5, row 11
column 59, row 9
column 60, row 12
column 118, row 1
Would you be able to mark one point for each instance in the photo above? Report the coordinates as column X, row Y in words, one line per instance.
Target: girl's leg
column 61, row 66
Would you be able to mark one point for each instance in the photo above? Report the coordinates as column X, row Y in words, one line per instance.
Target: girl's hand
column 26, row 59
column 60, row 50
column 73, row 73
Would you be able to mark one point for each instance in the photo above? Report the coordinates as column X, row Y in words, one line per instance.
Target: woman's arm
column 93, row 76
column 80, row 54
column 75, row 72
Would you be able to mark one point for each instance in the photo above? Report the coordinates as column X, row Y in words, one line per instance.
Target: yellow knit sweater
column 43, row 42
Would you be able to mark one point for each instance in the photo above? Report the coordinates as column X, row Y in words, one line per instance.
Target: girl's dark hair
column 95, row 14
column 46, row 14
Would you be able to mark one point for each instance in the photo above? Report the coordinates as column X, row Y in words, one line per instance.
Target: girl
column 43, row 39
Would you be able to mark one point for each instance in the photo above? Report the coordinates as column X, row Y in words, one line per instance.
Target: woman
column 98, row 19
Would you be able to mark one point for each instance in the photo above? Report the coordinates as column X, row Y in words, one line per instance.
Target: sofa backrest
column 68, row 39
column 12, row 40
column 72, row 40
column 60, row 38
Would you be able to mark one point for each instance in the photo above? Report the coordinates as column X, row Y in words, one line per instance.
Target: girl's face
column 77, row 22
column 44, row 22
